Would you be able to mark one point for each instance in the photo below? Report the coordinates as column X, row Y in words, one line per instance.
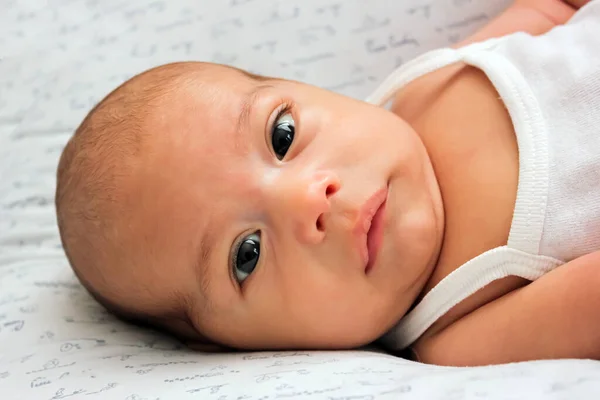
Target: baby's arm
column 556, row 316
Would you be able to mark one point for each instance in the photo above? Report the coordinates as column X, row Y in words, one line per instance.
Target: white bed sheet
column 58, row 57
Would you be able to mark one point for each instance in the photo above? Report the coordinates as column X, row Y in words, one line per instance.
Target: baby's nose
column 306, row 203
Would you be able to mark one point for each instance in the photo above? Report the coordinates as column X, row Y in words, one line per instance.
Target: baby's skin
column 258, row 213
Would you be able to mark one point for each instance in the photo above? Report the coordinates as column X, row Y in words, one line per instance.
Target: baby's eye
column 282, row 134
column 246, row 256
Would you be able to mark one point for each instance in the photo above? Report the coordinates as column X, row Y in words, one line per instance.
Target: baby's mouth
column 369, row 228
column 375, row 236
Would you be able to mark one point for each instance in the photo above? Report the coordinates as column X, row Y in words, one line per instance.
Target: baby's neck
column 471, row 142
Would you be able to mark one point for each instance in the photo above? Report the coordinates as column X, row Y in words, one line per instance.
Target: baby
column 259, row 213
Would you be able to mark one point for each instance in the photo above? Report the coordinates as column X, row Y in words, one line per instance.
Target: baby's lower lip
column 375, row 237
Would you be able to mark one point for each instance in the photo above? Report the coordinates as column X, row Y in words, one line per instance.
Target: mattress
column 59, row 57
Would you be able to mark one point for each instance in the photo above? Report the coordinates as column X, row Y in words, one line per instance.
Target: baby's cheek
column 335, row 306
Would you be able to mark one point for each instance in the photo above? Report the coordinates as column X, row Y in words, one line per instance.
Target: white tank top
column 550, row 85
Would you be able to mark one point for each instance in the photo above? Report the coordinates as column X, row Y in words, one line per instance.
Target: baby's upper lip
column 363, row 222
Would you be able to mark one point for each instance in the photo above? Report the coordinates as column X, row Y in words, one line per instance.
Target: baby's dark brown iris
column 283, row 136
column 247, row 256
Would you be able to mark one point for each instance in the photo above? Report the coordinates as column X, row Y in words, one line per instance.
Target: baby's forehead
column 204, row 105
column 225, row 77
column 212, row 97
column 214, row 88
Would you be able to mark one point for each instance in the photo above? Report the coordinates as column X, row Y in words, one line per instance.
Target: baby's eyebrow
column 201, row 269
column 248, row 103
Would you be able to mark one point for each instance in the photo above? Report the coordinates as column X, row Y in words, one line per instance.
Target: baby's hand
column 535, row 17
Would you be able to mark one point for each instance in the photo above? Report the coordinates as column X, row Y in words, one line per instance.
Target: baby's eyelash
column 284, row 109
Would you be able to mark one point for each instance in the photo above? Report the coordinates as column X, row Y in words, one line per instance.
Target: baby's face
column 287, row 215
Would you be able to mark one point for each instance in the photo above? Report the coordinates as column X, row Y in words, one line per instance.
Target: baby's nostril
column 330, row 190
column 320, row 223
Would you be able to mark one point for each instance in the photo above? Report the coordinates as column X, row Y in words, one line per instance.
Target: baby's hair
column 95, row 163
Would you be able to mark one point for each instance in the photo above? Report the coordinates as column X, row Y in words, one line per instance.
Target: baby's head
column 236, row 209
